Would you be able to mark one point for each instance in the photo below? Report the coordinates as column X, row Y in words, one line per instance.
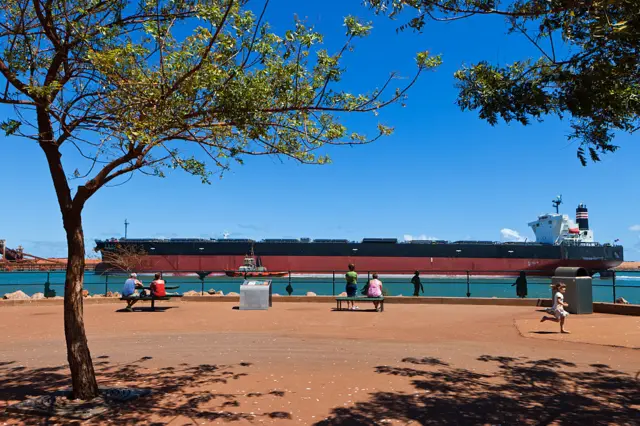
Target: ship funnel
column 582, row 217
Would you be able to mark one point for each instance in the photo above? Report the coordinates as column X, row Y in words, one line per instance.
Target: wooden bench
column 150, row 298
column 339, row 301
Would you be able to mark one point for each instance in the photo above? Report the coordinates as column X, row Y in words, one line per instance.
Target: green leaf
column 355, row 28
column 10, row 126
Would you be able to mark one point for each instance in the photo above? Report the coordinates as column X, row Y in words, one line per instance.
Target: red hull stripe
column 327, row 264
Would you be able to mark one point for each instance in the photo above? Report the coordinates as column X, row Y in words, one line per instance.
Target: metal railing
column 436, row 283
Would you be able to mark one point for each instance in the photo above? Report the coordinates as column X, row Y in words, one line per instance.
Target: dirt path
column 303, row 364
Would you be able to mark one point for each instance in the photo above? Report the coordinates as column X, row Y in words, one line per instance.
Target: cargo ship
column 560, row 241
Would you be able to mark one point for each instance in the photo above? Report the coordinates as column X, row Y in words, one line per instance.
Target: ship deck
column 302, row 363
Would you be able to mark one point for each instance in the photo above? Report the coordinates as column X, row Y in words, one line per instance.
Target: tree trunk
column 82, row 374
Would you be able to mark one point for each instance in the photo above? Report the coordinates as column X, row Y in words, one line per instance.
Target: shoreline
column 631, row 266
column 598, row 307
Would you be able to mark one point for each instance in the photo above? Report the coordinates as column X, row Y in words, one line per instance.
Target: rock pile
column 16, row 295
column 20, row 295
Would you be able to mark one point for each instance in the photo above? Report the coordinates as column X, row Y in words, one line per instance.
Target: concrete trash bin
column 255, row 295
column 579, row 294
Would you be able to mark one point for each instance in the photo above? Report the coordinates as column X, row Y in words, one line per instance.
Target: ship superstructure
column 559, row 228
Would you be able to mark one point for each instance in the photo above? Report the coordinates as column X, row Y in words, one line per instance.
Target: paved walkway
column 305, row 364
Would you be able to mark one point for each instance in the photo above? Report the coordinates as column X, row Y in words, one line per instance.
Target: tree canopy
column 168, row 84
column 588, row 68
column 124, row 82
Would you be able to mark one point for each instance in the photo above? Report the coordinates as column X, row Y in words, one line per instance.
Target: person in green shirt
column 352, row 285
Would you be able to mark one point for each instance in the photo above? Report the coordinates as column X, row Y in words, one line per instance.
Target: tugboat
column 251, row 268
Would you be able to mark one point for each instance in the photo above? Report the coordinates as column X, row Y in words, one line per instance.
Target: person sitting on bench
column 157, row 287
column 129, row 290
column 375, row 289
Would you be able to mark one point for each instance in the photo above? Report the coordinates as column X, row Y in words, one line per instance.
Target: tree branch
column 205, row 54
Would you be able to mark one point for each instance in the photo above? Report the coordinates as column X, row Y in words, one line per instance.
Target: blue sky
column 444, row 173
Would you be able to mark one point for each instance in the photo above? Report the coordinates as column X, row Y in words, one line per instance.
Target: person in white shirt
column 559, row 314
column 130, row 290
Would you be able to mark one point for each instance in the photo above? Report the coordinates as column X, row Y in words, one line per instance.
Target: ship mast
column 556, row 203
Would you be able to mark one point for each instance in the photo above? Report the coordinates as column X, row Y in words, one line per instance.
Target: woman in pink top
column 375, row 289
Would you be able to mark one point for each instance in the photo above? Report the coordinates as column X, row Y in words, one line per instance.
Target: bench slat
column 360, row 298
column 150, row 298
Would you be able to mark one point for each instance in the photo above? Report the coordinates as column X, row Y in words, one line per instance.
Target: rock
column 232, row 293
column 98, row 295
column 310, row 293
column 37, row 296
column 116, row 294
column 16, row 295
column 211, row 291
column 191, row 293
column 57, row 297
column 622, row 301
column 109, row 294
column 85, row 293
column 219, row 293
column 343, row 294
column 275, row 294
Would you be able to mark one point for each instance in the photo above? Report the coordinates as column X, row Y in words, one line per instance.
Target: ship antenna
column 556, row 203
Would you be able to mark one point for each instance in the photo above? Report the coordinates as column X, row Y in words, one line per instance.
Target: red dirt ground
column 302, row 363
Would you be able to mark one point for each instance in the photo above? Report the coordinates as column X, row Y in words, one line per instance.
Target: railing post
column 289, row 289
column 333, row 284
column 614, row 286
column 202, row 286
column 106, row 284
column 468, row 289
column 48, row 283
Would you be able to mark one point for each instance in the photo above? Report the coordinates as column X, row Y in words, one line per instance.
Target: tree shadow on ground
column 148, row 309
column 184, row 391
column 520, row 391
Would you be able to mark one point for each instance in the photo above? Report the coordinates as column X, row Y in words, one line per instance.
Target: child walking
column 559, row 314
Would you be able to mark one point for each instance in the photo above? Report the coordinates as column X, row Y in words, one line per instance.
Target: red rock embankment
column 628, row 266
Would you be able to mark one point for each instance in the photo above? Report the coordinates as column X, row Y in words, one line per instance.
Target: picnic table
column 152, row 298
column 341, row 299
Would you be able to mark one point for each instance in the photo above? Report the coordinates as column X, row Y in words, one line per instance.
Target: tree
column 588, row 68
column 123, row 258
column 144, row 87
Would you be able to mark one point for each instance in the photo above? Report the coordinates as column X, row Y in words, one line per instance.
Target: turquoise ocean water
column 627, row 285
